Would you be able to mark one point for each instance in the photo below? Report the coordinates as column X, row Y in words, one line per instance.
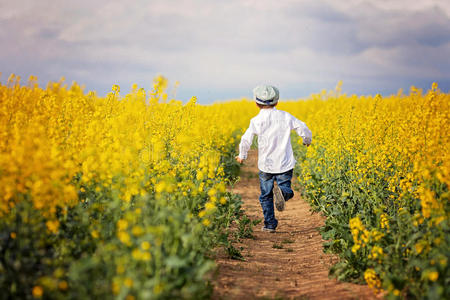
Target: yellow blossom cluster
column 381, row 165
column 384, row 222
column 372, row 280
column 136, row 183
column 51, row 136
column 359, row 233
column 401, row 138
column 376, row 252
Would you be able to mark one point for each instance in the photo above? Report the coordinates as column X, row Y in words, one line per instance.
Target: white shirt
column 273, row 128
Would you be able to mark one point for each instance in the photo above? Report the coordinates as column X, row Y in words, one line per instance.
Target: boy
column 275, row 156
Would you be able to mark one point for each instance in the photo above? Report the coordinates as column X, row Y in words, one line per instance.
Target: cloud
column 221, row 49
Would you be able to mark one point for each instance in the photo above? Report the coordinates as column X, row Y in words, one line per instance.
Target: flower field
column 379, row 169
column 112, row 197
column 125, row 196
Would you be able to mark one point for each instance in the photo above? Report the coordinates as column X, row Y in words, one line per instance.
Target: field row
column 379, row 169
column 117, row 197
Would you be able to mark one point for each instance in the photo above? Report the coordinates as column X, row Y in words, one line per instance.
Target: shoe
column 271, row 230
column 279, row 199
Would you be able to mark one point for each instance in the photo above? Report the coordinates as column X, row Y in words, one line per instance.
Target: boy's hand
column 239, row 160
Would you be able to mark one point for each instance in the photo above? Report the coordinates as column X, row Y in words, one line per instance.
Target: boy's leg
column 266, row 199
column 284, row 182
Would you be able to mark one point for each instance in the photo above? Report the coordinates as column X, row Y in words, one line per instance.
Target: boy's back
column 273, row 128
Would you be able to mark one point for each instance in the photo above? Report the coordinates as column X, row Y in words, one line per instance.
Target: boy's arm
column 246, row 142
column 302, row 130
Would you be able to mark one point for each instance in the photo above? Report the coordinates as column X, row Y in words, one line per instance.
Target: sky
column 222, row 49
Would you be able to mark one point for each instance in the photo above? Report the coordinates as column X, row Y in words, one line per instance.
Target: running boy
column 275, row 156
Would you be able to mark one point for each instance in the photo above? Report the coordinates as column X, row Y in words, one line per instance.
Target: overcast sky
column 221, row 49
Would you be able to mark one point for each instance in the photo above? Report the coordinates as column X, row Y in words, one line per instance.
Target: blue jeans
column 266, row 181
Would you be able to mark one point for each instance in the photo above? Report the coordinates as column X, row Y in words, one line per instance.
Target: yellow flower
column 120, row 269
column 137, row 230
column 158, row 288
column 206, row 222
column 212, row 192
column 200, row 176
column 146, row 256
column 124, row 237
column 115, row 88
column 355, row 223
column 145, row 245
column 160, row 187
column 376, row 252
column 355, row 248
column 433, row 275
column 95, row 234
column 37, row 291
column 221, row 187
column 136, row 254
column 128, row 282
column 376, row 235
column 62, row 285
column 122, row 224
column 210, row 206
column 419, row 247
column 115, row 287
column 52, row 225
column 372, row 280
column 384, row 221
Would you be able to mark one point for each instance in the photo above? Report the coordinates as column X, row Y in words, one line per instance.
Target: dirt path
column 288, row 264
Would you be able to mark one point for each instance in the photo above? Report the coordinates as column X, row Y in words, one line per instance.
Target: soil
column 288, row 264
